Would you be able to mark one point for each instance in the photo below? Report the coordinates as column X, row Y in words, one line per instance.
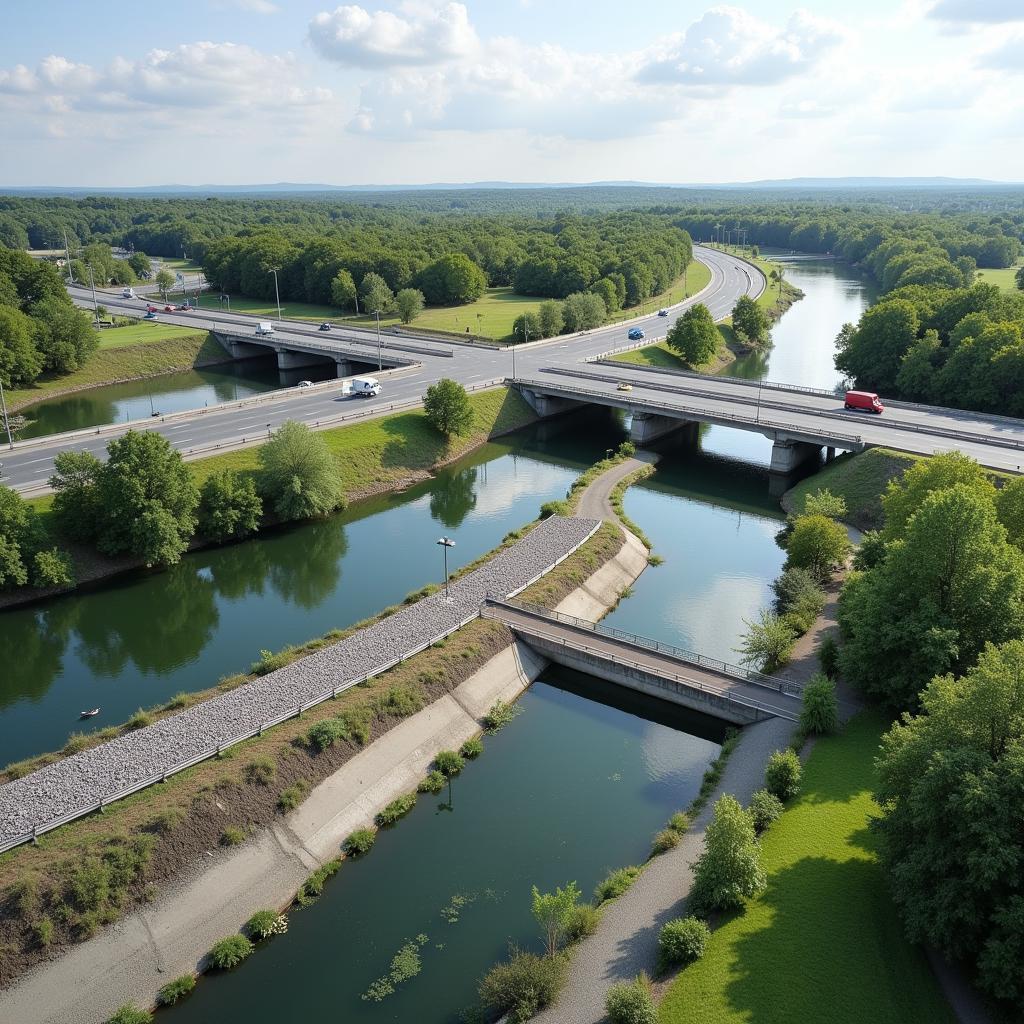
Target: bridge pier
column 343, row 367
column 547, row 405
column 287, row 359
column 646, row 427
column 240, row 349
column 788, row 456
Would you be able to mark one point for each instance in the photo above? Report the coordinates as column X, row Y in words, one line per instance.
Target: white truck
column 264, row 327
column 365, row 387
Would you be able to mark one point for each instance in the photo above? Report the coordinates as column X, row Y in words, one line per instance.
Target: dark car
column 326, row 326
column 635, row 334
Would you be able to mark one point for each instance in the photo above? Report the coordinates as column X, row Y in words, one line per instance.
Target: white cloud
column 978, row 11
column 257, row 6
column 352, row 36
column 1008, row 57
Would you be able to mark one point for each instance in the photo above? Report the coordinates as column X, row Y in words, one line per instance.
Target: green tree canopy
column 452, row 280
column 818, row 544
column 749, row 320
column 551, row 911
column 343, row 290
column 229, row 507
column 527, row 327
column 409, row 303
column 694, row 335
column 448, row 408
column 376, row 294
column 299, row 478
column 551, row 319
column 729, row 870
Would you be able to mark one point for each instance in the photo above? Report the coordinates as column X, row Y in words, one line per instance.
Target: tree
column 729, row 870
column 409, row 303
column 1019, row 278
column 343, row 290
column 694, row 335
column 605, row 287
column 52, row 568
column 749, row 320
column 376, row 294
column 448, row 408
column 872, row 353
column 766, row 643
column 583, row 311
column 817, row 544
column 299, row 478
column 527, row 326
column 229, row 507
column 824, row 503
column 453, row 280
column 1010, row 509
column 146, row 499
column 551, row 911
column 140, row 263
column 819, row 714
column 76, row 505
column 782, row 774
column 777, row 274
column 164, row 281
column 950, row 585
column 951, row 787
column 551, row 320
column 20, row 361
column 64, row 335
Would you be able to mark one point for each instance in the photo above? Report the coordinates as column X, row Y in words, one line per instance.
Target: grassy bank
column 823, row 942
column 1004, row 278
column 142, row 350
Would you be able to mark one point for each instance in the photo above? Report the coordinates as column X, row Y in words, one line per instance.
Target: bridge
column 730, row 692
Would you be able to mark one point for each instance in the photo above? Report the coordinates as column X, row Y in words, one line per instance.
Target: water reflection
column 454, row 497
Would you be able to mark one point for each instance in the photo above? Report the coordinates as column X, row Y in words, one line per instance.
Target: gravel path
column 81, row 781
column 596, row 500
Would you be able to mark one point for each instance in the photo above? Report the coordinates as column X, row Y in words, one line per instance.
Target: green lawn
column 144, row 333
column 260, row 307
column 824, row 942
column 659, row 354
column 1005, row 277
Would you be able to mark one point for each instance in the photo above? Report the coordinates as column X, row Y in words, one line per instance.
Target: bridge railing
column 657, row 646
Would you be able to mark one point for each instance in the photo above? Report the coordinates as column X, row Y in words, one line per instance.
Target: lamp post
column 7, row 421
column 277, row 294
column 95, row 307
column 757, row 417
column 380, row 363
column 446, row 543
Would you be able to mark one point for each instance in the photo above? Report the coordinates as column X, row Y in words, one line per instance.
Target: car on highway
column 325, row 326
column 624, row 385
column 365, row 387
column 150, row 316
column 151, row 309
column 183, row 308
column 304, row 384
column 635, row 334
column 662, row 312
column 168, row 309
column 865, row 401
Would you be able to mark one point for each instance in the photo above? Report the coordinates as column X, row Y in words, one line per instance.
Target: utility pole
column 277, row 294
column 380, row 363
column 67, row 254
column 95, row 306
column 7, row 421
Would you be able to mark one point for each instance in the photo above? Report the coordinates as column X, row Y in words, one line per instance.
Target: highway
column 558, row 362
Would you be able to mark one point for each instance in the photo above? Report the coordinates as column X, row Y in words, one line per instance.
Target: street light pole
column 380, row 363
column 7, row 421
column 446, row 543
column 95, row 307
column 757, row 418
column 277, row 294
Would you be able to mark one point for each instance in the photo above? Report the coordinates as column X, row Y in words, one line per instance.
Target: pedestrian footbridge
column 729, row 692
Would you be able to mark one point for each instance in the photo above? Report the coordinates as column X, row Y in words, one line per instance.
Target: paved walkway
column 595, row 502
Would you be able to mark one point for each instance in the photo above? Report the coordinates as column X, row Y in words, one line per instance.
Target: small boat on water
column 89, row 714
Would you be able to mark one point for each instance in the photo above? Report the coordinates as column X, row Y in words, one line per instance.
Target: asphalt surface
column 558, row 362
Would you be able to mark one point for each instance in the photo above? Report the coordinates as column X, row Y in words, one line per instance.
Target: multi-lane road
column 561, row 362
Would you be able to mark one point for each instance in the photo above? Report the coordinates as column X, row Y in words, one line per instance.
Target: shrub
column 792, row 584
column 129, row 1014
column 523, row 985
column 265, row 923
column 232, row 836
column 359, row 842
column 52, row 568
column 802, row 613
column 400, row 701
column 664, row 841
column 630, row 1002
column 291, row 797
column 139, row 720
column 433, row 783
column 559, row 507
column 471, row 748
column 326, row 733
column 311, row 889
column 43, row 931
column 582, row 920
column 679, row 822
column 398, row 808
column 782, row 776
column 615, row 884
column 820, row 712
column 500, row 715
column 767, row 643
column 447, row 407
column 825, row 503
column 828, row 656
column 260, row 772
column 626, row 449
column 682, row 941
column 729, row 869
column 175, row 990
column 818, row 544
column 449, row 763
column 230, row 952
column 764, row 809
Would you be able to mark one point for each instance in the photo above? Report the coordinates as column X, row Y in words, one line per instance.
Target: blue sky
column 237, row 91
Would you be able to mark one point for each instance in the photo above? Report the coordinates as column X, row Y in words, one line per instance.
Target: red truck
column 868, row 401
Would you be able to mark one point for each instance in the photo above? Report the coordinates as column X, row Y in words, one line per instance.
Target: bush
column 260, row 772
column 817, row 544
column 359, row 842
column 265, row 923
column 449, row 763
column 232, row 836
column 230, row 952
column 139, row 720
column 175, row 990
column 729, row 869
column 433, row 783
column 682, row 941
column 825, row 503
column 523, row 985
column 471, row 748
column 626, row 449
column 581, row 921
column 820, row 712
column 311, row 889
column 43, row 931
column 326, row 733
column 398, row 808
column 291, row 797
column 767, row 643
column 630, row 1002
column 129, row 1014
column 764, row 809
column 828, row 656
column 500, row 715
column 399, row 701
column 52, row 568
column 802, row 613
column 559, row 507
column 782, row 776
column 679, row 822
column 665, row 840
column 447, row 407
column 615, row 884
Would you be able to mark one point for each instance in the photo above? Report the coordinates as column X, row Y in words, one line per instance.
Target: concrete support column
column 830, row 453
column 240, row 349
column 343, row 367
column 288, row 360
column 788, row 456
column 547, row 405
column 647, row 427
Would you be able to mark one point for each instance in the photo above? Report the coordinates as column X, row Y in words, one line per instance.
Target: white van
column 127, row 293
column 365, row 387
column 264, row 327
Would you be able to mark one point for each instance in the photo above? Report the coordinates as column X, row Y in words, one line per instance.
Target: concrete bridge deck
column 730, row 692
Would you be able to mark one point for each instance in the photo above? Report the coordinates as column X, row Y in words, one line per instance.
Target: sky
column 421, row 91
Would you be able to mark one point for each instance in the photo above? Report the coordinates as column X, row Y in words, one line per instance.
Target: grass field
column 259, row 307
column 144, row 333
column 824, row 942
column 659, row 354
column 1005, row 277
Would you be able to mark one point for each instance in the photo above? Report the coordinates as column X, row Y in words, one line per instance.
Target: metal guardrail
column 678, row 653
column 309, row 344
